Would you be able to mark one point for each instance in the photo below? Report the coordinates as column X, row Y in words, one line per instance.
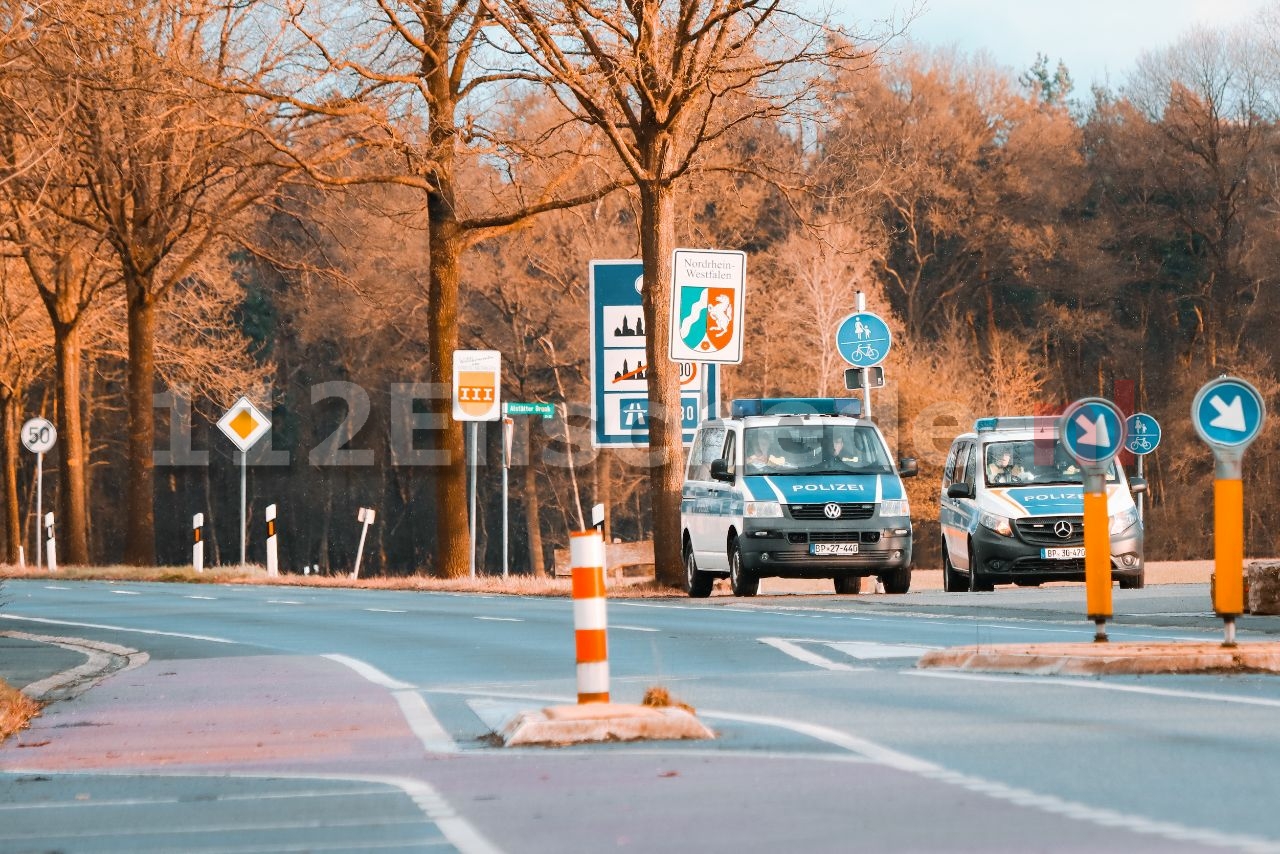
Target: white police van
column 1012, row 509
column 794, row 488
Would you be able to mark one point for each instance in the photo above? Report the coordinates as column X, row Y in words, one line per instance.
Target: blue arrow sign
column 1092, row 431
column 1228, row 412
column 863, row 339
column 1142, row 434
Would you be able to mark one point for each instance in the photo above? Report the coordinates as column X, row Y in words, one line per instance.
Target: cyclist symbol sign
column 863, row 339
column 1142, row 434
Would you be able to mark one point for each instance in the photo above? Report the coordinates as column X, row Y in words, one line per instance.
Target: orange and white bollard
column 590, row 625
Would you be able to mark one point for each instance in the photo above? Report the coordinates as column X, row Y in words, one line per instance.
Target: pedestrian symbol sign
column 1092, row 431
column 1142, row 434
column 863, row 339
column 1228, row 413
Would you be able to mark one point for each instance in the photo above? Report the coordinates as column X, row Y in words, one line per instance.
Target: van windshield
column 1015, row 463
column 814, row 449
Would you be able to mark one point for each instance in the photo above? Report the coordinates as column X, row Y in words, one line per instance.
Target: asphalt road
column 271, row 719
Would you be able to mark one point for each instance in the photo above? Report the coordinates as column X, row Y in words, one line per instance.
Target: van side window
column 707, row 446
column 730, row 448
column 949, row 471
column 962, row 462
column 971, row 464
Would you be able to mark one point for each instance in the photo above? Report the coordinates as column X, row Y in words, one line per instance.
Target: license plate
column 833, row 548
column 1062, row 554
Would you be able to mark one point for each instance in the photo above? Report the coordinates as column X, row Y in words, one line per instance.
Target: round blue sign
column 863, row 339
column 1228, row 412
column 1141, row 434
column 1092, row 431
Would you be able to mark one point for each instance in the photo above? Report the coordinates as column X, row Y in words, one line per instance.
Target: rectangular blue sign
column 619, row 378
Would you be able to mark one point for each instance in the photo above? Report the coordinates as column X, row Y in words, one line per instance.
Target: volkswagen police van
column 1012, row 509
column 794, row 488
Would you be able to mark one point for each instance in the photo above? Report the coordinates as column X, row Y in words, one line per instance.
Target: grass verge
column 16, row 709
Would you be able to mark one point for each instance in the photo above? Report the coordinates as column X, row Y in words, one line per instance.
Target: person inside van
column 842, row 450
column 763, row 453
column 1002, row 467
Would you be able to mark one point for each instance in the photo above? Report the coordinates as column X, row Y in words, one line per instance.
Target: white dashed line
column 55, row 587
column 210, row 598
column 634, row 629
column 282, row 602
column 126, row 592
column 501, row 619
column 385, row 611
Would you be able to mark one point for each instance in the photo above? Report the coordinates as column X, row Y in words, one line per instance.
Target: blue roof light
column 745, row 407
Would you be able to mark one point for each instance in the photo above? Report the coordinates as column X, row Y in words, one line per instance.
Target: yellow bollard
column 1097, row 560
column 1228, row 547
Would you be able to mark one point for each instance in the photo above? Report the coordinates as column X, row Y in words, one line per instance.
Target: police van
column 794, row 488
column 1012, row 509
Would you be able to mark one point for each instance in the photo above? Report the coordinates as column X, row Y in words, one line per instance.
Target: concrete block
column 561, row 725
column 1262, row 587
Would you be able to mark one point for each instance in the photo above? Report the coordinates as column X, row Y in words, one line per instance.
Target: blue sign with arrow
column 863, row 339
column 1228, row 412
column 1142, row 434
column 1092, row 431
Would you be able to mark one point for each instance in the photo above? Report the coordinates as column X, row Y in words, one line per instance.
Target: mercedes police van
column 794, row 488
column 1012, row 509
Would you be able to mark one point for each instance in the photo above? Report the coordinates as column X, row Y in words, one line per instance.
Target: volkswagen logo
column 1062, row 528
column 831, row 511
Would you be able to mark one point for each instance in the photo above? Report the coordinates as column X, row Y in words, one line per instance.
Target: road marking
column 113, row 628
column 502, row 619
column 415, row 709
column 126, row 592
column 103, row 658
column 793, row 649
column 385, row 610
column 634, row 629
column 864, row 650
column 55, row 587
column 210, row 598
column 1101, row 686
column 282, row 602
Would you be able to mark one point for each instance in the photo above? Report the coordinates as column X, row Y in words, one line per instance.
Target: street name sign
column 546, row 410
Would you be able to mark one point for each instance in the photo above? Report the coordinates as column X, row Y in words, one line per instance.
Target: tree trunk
column 666, row 454
column 533, row 508
column 140, row 537
column 12, row 518
column 72, row 522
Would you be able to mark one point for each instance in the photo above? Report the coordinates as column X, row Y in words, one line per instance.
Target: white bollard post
column 366, row 515
column 197, row 542
column 52, row 547
column 22, row 558
column 273, row 565
column 590, row 624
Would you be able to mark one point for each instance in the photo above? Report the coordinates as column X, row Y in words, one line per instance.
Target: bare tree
column 665, row 83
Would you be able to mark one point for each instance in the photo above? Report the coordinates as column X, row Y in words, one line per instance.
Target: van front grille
column 818, row 511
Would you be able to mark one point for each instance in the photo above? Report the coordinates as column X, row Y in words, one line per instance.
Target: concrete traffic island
column 1090, row 659
column 562, row 725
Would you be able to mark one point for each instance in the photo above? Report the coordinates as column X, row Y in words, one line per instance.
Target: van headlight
column 762, row 510
column 997, row 523
column 1124, row 520
column 895, row 507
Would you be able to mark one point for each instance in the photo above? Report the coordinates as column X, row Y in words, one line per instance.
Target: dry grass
column 516, row 585
column 659, row 697
column 16, row 709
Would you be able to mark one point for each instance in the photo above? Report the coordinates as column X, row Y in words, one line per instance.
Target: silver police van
column 1012, row 509
column 794, row 488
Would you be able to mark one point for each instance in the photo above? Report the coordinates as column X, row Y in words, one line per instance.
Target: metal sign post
column 38, row 437
column 244, row 425
column 1228, row 413
column 508, row 437
column 864, row 340
column 477, row 396
column 1092, row 431
column 366, row 515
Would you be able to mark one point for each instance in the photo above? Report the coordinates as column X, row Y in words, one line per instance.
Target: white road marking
column 1069, row 682
column 210, row 598
column 126, row 592
column 55, row 587
column 863, row 650
column 99, row 654
column 502, row 619
column 634, row 629
column 385, row 610
column 415, row 710
column 282, row 602
column 113, row 628
column 793, row 649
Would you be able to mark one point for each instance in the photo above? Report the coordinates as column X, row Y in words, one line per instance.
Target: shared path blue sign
column 1092, row 431
column 1142, row 434
column 863, row 339
column 619, row 369
column 1228, row 412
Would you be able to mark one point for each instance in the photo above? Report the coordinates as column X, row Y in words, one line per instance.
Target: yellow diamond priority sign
column 244, row 425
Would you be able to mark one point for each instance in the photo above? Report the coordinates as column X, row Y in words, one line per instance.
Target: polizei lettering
column 828, row 487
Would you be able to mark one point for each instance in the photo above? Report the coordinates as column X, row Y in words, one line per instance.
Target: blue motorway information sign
column 1228, row 412
column 863, row 339
column 1092, row 431
column 619, row 373
column 1141, row 434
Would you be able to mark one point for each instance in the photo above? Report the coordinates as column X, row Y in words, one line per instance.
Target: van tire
column 743, row 581
column 976, row 584
column 1133, row 582
column 897, row 582
column 697, row 584
column 951, row 580
column 848, row 585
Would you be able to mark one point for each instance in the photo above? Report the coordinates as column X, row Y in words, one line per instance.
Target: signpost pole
column 471, row 437
column 244, row 494
column 508, row 434
column 860, row 305
column 1141, row 496
column 39, row 504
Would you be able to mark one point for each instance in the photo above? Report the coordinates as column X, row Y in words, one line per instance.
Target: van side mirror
column 1137, row 485
column 908, row 467
column 720, row 471
column 960, row 490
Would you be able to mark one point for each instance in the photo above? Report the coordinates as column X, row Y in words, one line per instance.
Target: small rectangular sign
column 708, row 287
column 546, row 410
column 477, row 384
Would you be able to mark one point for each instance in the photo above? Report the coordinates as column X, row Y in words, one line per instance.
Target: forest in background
column 1028, row 244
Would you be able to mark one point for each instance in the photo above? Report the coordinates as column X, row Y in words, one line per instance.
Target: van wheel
column 897, row 582
column 977, row 585
column 1133, row 582
column 696, row 584
column 951, row 580
column 743, row 582
column 848, row 585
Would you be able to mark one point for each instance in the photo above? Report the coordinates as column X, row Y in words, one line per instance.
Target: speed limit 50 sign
column 39, row 435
